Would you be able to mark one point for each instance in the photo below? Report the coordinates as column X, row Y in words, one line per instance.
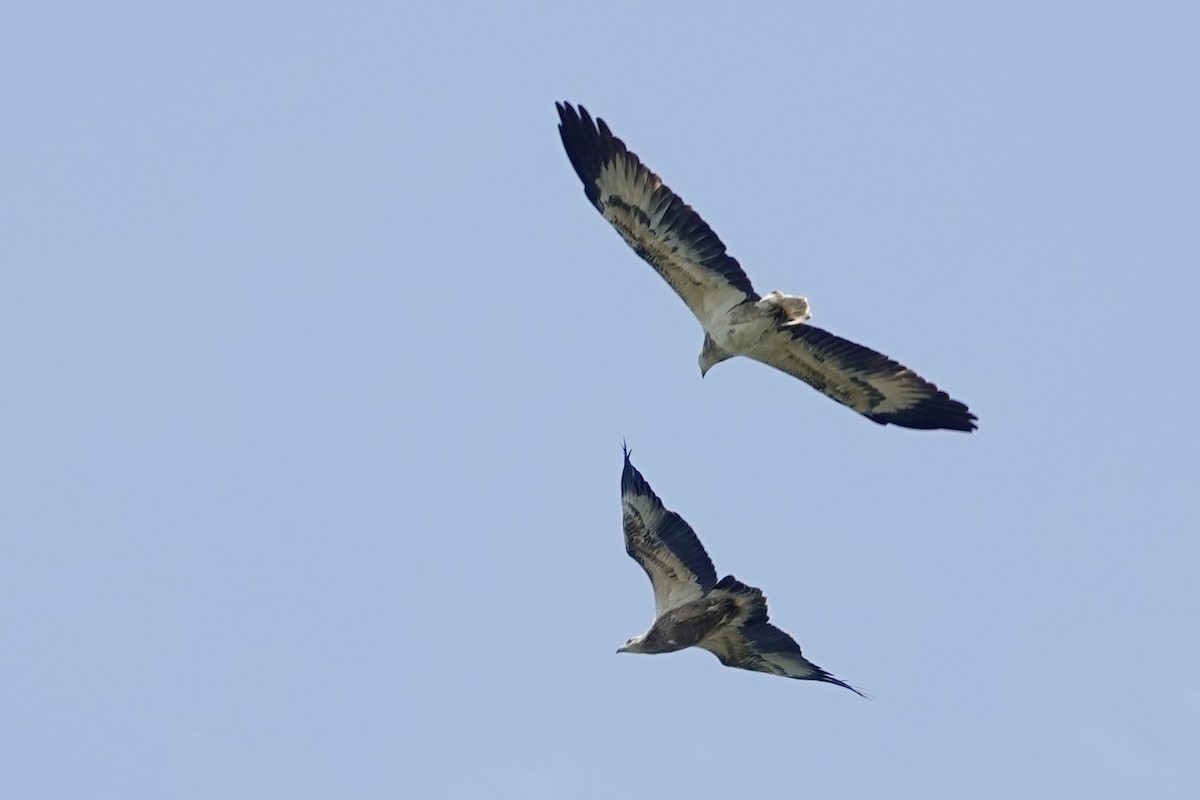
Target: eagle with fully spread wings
column 673, row 239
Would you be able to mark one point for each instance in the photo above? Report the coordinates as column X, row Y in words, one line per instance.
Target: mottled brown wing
column 652, row 219
column 869, row 382
column 765, row 648
column 664, row 544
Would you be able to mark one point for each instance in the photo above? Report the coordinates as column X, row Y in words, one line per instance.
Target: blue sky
column 318, row 363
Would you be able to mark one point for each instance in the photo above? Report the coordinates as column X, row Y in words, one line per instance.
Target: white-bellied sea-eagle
column 668, row 234
column 691, row 607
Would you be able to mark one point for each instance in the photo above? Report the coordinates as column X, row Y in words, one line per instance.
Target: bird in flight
column 691, row 607
column 673, row 239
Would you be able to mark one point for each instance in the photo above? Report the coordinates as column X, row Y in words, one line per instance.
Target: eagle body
column 746, row 328
column 686, row 626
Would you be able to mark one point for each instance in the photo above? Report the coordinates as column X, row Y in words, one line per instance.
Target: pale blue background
column 317, row 363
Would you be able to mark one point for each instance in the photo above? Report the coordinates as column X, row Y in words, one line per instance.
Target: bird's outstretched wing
column 762, row 647
column 869, row 382
column 666, row 546
column 655, row 222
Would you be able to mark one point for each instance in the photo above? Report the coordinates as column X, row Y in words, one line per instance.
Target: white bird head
column 634, row 645
column 710, row 354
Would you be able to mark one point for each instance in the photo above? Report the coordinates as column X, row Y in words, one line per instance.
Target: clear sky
column 317, row 363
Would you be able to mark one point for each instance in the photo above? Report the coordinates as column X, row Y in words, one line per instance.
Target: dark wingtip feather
column 587, row 146
column 825, row 677
column 935, row 412
column 632, row 481
column 633, row 484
